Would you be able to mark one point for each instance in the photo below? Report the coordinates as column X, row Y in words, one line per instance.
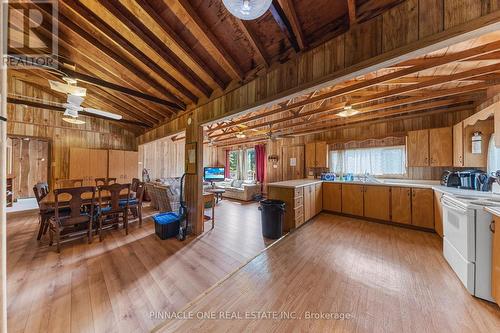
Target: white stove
column 467, row 242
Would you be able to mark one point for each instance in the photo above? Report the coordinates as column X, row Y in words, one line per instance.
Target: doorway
column 27, row 164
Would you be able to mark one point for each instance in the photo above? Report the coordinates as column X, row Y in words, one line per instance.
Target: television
column 214, row 174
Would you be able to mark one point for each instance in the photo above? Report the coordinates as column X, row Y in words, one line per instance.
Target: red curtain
column 226, row 170
column 260, row 161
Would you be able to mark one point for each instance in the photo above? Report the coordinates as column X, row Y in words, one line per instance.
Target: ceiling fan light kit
column 247, row 9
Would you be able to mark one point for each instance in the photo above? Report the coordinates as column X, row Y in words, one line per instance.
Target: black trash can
column 272, row 212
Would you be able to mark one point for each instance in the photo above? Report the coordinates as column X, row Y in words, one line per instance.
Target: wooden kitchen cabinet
column 422, row 212
column 88, row 164
column 309, row 202
column 401, row 205
column 486, row 127
column 352, row 199
column 458, row 145
column 316, row 155
column 432, row 147
column 332, row 197
column 418, row 148
column 377, row 202
column 123, row 165
column 318, row 199
column 495, row 267
column 294, row 205
column 438, row 213
column 441, row 146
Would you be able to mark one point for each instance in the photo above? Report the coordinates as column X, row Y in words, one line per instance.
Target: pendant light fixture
column 247, row 9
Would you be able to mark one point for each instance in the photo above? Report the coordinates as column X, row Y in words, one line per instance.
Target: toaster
column 450, row 179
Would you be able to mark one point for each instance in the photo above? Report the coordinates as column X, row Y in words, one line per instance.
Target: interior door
column 292, row 162
column 377, row 202
column 401, row 205
column 99, row 166
column 116, row 165
column 130, row 166
column 79, row 165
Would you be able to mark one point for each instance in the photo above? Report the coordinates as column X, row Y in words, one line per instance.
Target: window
column 242, row 164
column 250, row 164
column 233, row 157
column 382, row 161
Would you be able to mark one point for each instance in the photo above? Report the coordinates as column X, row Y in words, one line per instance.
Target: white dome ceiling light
column 247, row 9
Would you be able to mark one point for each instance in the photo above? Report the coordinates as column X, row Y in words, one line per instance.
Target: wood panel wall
column 29, row 164
column 411, row 26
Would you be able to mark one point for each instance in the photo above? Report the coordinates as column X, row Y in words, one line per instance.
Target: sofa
column 244, row 190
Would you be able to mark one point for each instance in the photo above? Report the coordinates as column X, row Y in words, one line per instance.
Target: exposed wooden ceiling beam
column 253, row 39
column 190, row 18
column 86, row 14
column 34, row 104
column 93, row 42
column 284, row 24
column 141, row 30
column 290, row 12
column 336, row 107
column 177, row 44
column 351, row 8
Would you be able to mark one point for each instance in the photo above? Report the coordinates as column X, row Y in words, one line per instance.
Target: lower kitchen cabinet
column 377, row 202
column 332, row 197
column 318, row 198
column 313, row 199
column 352, row 199
column 495, row 267
column 422, row 213
column 401, row 205
column 438, row 213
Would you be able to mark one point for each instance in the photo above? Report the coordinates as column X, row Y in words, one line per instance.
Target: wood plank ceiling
column 450, row 79
column 149, row 60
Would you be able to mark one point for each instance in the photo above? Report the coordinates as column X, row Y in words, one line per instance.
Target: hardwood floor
column 114, row 285
column 387, row 279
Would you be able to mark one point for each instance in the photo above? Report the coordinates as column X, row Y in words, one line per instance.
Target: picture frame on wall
column 191, row 160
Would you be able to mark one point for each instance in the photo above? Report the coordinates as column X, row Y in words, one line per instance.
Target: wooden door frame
column 49, row 152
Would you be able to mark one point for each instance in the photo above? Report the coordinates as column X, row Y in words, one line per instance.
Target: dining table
column 49, row 201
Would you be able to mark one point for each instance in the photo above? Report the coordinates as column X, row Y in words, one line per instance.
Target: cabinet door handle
column 492, row 226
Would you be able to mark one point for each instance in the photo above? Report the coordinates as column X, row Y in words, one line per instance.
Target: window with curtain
column 242, row 164
column 234, row 163
column 380, row 161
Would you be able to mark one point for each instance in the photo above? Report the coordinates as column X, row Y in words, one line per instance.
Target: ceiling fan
column 73, row 107
column 74, row 101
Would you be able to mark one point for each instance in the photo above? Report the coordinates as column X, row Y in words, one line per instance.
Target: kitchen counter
column 463, row 192
column 295, row 183
column 493, row 210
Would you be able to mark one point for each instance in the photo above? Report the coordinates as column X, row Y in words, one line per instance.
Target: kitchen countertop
column 295, row 183
column 493, row 210
column 383, row 182
column 458, row 191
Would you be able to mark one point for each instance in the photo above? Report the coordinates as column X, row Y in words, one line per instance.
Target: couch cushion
column 237, row 183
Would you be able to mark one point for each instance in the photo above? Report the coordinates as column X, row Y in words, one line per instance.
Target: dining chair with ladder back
column 41, row 190
column 135, row 204
column 111, row 209
column 68, row 183
column 73, row 222
column 104, row 181
column 135, row 183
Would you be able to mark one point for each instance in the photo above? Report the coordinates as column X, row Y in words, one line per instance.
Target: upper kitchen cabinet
column 458, row 145
column 317, row 155
column 432, row 147
column 479, row 159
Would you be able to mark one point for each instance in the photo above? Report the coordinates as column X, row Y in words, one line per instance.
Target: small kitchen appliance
column 450, row 179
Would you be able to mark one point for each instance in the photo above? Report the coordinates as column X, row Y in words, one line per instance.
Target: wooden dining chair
column 104, row 181
column 41, row 190
column 73, row 222
column 135, row 183
column 68, row 183
column 111, row 208
column 135, row 204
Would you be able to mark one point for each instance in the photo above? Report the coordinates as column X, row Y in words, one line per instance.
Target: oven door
column 459, row 227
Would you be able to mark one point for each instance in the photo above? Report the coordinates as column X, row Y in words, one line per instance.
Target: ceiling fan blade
column 103, row 113
column 75, row 100
column 67, row 88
